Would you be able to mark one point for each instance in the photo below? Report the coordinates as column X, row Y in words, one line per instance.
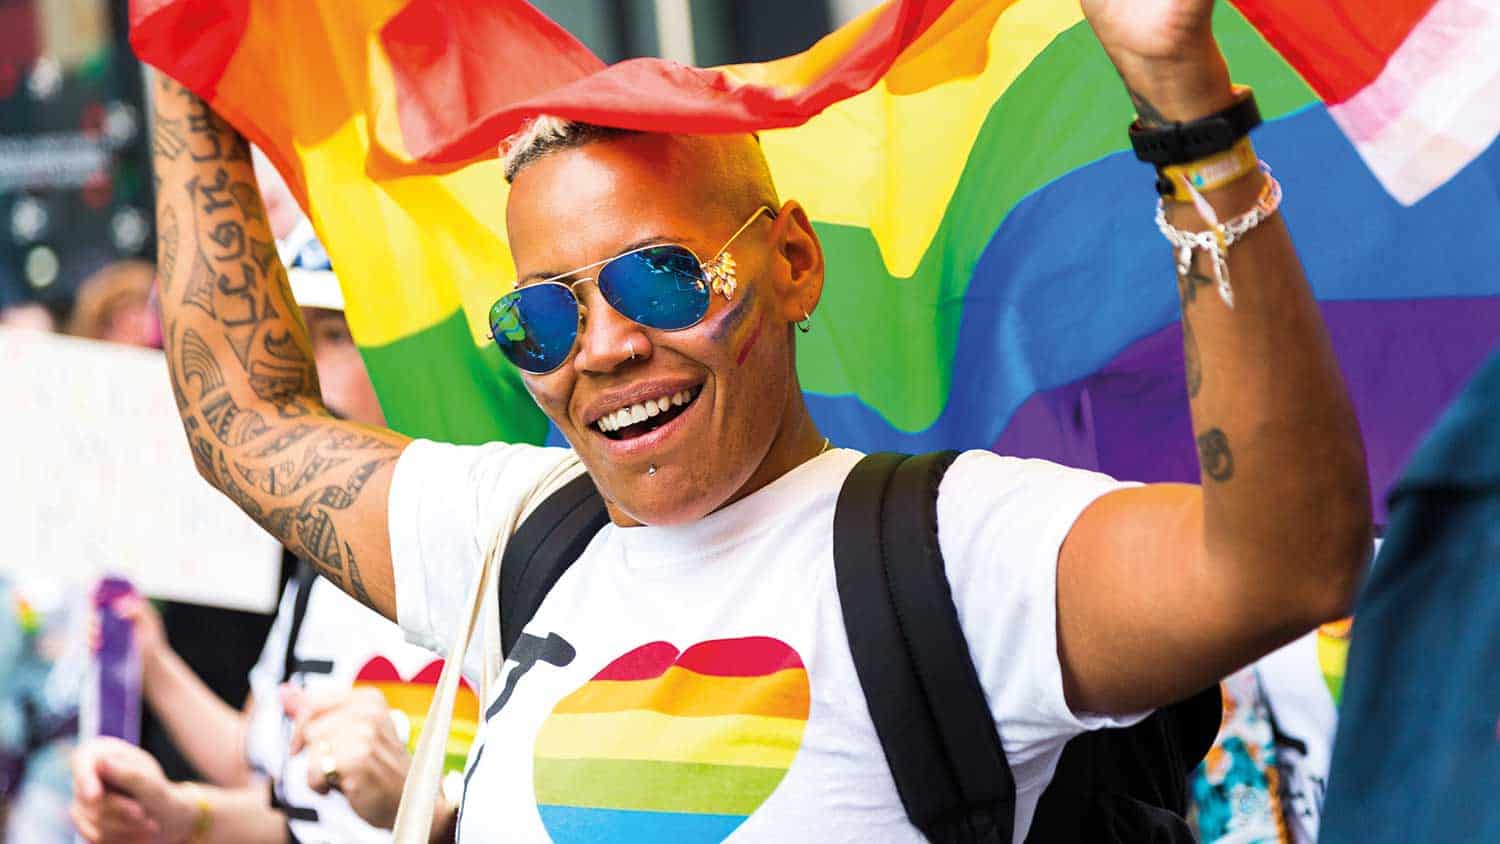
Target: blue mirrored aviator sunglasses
column 664, row 286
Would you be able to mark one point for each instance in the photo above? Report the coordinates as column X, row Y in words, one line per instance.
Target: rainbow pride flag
column 994, row 279
column 664, row 745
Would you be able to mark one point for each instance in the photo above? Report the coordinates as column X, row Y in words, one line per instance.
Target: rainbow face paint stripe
column 739, row 359
column 665, row 745
column 727, row 321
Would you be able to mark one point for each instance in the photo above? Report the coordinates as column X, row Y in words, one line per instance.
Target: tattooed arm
column 1164, row 589
column 242, row 367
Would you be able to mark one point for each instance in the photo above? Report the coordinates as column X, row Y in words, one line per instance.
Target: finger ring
column 330, row 767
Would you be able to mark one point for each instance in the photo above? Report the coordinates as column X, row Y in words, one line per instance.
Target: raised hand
column 1166, row 53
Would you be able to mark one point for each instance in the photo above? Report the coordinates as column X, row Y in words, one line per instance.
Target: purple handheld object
column 119, row 701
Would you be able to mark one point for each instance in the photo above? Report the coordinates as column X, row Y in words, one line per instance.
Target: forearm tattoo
column 1214, row 455
column 1192, row 365
column 240, row 362
column 1149, row 114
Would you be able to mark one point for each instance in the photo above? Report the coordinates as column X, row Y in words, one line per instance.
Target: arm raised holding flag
column 241, row 364
column 1166, row 588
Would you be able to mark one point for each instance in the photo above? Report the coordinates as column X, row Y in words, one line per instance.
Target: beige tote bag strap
column 419, row 794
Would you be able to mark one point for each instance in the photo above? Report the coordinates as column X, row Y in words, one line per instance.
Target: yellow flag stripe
column 746, row 740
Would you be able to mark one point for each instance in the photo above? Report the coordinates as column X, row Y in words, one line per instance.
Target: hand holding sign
column 121, row 794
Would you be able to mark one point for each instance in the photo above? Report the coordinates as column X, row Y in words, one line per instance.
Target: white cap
column 308, row 269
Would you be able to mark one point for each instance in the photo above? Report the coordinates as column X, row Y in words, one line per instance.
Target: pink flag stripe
column 1436, row 105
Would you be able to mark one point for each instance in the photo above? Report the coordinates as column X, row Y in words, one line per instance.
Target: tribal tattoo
column 240, row 362
column 166, row 260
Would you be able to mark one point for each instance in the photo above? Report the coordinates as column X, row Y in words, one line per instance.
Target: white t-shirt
column 341, row 644
column 695, row 683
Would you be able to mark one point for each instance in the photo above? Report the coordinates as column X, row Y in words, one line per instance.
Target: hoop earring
column 806, row 324
column 630, row 344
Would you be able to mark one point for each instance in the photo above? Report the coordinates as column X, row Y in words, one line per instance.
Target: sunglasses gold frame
column 718, row 272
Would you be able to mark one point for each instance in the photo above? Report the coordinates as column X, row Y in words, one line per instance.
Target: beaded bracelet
column 1217, row 239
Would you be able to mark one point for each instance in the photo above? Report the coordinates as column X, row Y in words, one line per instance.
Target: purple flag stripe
column 1405, row 360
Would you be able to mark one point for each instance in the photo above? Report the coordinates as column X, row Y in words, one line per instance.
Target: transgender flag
column 1415, row 85
column 994, row 279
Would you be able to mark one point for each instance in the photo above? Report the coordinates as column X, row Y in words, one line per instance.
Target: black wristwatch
column 1179, row 143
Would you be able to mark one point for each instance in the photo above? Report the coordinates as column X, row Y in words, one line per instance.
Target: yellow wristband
column 203, row 824
column 1215, row 171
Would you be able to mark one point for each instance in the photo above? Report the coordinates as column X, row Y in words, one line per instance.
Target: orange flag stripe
column 682, row 692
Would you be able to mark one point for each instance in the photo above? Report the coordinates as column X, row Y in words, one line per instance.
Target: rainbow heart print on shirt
column 664, row 745
column 412, row 699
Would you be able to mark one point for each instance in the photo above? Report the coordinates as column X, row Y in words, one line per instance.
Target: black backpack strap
column 544, row 546
column 929, row 709
column 305, row 576
column 1129, row 784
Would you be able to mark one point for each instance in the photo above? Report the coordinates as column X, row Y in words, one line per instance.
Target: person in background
column 332, row 696
column 1417, row 756
column 1264, row 779
column 37, row 719
column 114, row 304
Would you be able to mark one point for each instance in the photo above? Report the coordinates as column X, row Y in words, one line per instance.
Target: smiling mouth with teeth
column 645, row 416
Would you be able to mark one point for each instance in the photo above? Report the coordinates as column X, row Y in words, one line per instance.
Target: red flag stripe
column 1339, row 46
column 195, row 38
column 453, row 109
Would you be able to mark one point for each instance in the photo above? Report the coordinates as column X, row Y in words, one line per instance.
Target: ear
column 800, row 288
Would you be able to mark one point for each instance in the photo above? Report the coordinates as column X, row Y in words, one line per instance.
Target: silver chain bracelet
column 1217, row 239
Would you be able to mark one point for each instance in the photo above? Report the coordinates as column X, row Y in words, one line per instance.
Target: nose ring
column 630, row 344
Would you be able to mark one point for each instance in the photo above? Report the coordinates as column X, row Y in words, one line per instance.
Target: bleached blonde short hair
column 742, row 176
column 544, row 134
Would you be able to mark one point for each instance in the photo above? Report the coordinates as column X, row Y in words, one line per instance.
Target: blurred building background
column 75, row 186
column 75, row 189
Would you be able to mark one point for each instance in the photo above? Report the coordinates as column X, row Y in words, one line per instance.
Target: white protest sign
column 96, row 478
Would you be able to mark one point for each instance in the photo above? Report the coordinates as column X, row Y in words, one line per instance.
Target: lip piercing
column 630, row 344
